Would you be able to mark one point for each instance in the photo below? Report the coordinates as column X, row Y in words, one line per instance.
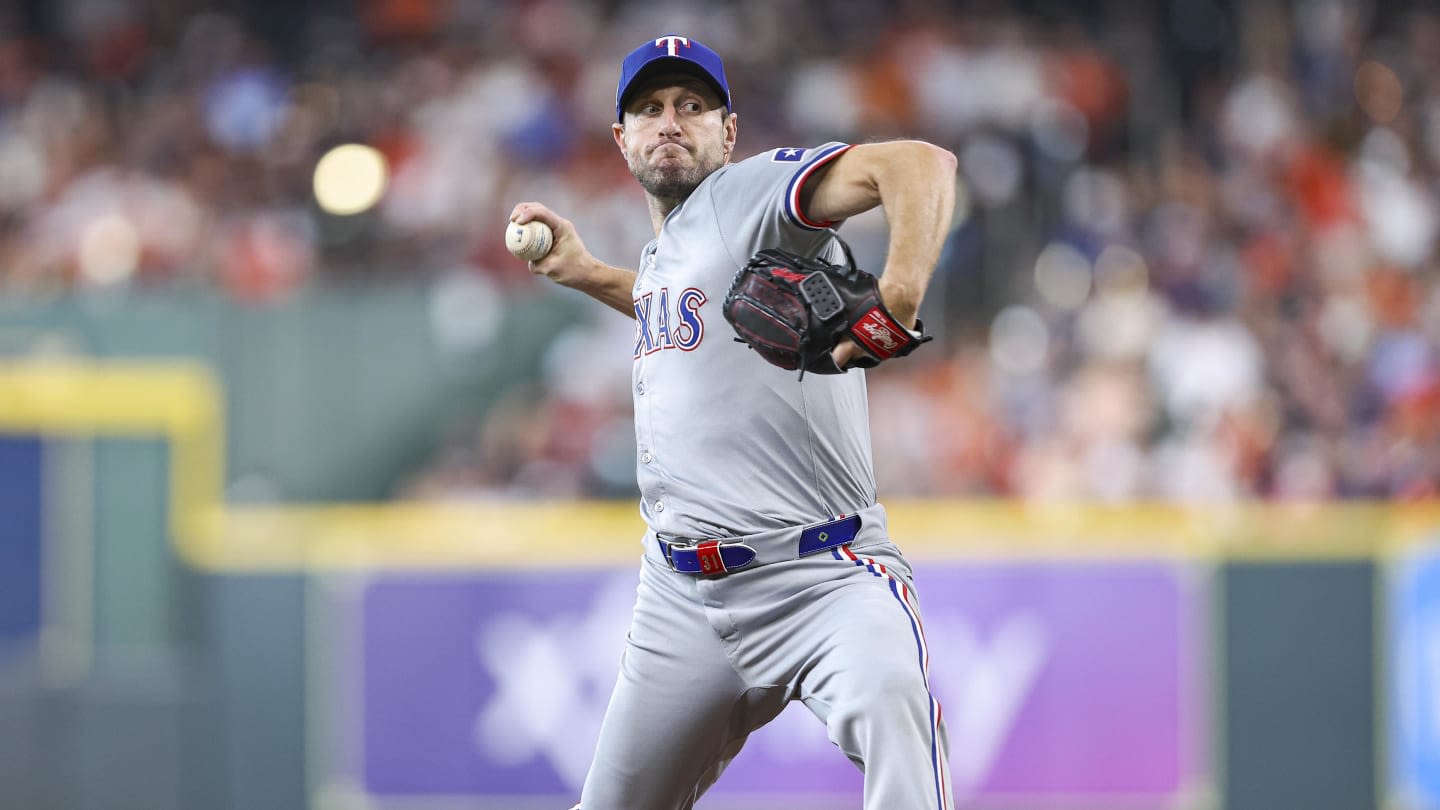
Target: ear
column 732, row 133
column 618, row 130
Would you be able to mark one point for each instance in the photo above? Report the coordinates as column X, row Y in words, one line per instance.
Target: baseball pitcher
column 768, row 574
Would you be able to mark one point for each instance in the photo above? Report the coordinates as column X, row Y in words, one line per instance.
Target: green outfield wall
column 164, row 645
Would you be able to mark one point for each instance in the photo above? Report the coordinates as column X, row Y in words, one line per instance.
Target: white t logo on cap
column 673, row 43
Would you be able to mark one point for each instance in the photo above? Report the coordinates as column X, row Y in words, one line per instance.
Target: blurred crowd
column 1194, row 255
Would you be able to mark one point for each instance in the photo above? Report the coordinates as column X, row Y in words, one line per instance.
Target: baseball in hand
column 530, row 241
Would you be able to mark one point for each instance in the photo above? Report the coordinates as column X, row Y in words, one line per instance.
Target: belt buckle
column 667, row 546
column 706, row 558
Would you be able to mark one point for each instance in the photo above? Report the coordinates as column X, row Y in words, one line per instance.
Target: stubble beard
column 670, row 184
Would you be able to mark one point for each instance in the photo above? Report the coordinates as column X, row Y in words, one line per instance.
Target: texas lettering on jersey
column 658, row 326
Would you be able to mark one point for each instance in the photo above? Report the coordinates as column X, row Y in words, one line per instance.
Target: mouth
column 669, row 147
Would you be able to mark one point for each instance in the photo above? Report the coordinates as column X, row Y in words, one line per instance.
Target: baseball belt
column 714, row 558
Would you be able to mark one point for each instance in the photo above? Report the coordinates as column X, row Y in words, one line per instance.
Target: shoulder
column 789, row 159
column 774, row 179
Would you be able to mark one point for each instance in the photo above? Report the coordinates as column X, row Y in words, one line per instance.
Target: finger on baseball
column 531, row 211
column 524, row 212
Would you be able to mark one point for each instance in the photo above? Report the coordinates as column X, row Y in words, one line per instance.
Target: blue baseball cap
column 681, row 53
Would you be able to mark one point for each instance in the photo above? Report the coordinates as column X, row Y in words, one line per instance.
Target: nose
column 670, row 121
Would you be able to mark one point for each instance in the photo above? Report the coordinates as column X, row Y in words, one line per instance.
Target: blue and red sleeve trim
column 793, row 211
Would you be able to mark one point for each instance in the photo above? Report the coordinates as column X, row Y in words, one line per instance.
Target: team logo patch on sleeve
column 788, row 155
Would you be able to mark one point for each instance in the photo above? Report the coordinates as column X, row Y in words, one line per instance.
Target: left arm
column 914, row 182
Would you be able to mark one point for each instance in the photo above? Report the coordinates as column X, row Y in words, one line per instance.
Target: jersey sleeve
column 757, row 201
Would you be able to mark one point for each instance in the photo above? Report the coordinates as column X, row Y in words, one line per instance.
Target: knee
column 898, row 701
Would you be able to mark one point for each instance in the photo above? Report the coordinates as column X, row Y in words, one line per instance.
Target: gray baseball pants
column 709, row 660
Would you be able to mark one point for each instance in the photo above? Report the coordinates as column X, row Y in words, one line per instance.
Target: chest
column 682, row 281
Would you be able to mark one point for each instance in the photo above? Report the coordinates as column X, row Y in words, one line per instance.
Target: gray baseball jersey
column 729, row 445
column 768, row 575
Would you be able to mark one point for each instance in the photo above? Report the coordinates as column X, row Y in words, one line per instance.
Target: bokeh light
column 1019, row 340
column 1062, row 275
column 1059, row 130
column 22, row 171
column 109, row 250
column 350, row 179
column 993, row 168
column 1378, row 91
column 1119, row 268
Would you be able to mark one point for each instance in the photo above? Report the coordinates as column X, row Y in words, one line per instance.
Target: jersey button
column 646, row 457
column 659, row 506
column 640, row 388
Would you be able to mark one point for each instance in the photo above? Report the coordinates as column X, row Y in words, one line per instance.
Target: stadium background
column 312, row 498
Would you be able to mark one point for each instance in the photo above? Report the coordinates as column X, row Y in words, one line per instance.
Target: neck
column 660, row 207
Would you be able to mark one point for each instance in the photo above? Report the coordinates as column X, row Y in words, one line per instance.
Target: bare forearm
column 610, row 285
column 918, row 197
column 570, row 264
column 915, row 183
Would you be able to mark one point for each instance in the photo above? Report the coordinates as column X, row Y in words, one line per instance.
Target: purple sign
column 1058, row 682
column 489, row 684
column 1066, row 679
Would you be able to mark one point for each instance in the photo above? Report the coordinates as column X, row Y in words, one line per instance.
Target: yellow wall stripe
column 182, row 403
column 549, row 534
column 177, row 401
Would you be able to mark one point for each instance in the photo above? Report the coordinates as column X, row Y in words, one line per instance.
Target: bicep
column 847, row 185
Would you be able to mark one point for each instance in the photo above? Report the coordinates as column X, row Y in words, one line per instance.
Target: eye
column 692, row 106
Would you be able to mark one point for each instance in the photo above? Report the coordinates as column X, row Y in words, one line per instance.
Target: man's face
column 675, row 134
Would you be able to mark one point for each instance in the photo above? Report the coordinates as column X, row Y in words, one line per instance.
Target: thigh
column 846, row 614
column 869, row 681
column 868, row 635
column 679, row 711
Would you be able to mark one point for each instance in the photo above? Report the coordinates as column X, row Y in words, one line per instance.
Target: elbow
column 941, row 160
column 923, row 161
column 933, row 167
